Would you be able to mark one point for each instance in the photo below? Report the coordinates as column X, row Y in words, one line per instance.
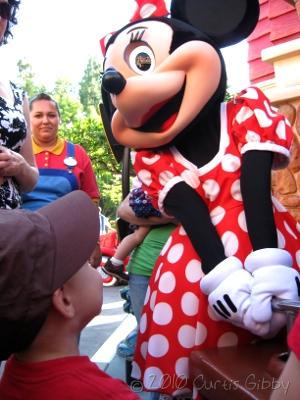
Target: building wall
column 278, row 23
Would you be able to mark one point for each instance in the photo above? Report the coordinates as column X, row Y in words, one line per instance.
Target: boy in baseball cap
column 48, row 293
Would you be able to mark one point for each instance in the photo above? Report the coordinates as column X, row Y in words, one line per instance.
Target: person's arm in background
column 21, row 165
column 287, row 386
column 88, row 184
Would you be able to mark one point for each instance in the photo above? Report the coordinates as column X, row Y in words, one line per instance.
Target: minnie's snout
column 113, row 82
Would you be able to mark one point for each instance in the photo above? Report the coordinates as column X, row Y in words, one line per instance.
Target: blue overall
column 52, row 184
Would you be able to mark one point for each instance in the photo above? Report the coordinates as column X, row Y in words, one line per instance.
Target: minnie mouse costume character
column 208, row 164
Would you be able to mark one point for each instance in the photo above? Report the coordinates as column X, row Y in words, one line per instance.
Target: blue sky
column 58, row 36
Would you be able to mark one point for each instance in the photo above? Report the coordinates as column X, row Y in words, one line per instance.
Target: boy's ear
column 62, row 303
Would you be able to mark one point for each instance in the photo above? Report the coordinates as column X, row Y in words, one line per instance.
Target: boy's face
column 87, row 292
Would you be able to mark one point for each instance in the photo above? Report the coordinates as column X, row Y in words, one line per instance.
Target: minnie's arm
column 269, row 265
column 256, row 193
column 187, row 207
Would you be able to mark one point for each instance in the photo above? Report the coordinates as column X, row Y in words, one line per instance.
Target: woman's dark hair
column 14, row 5
column 43, row 96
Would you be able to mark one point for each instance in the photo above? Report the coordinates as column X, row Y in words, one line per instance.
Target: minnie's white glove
column 273, row 276
column 228, row 288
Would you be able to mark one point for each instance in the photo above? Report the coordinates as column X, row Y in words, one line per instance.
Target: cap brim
column 75, row 223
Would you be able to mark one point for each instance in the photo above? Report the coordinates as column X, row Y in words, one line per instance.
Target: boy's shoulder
column 76, row 377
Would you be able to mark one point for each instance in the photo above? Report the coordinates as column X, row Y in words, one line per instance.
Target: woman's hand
column 11, row 163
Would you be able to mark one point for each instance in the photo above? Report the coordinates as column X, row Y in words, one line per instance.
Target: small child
column 48, row 293
column 142, row 208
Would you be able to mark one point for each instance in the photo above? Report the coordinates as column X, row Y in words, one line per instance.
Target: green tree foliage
column 89, row 87
column 26, row 78
column 89, row 133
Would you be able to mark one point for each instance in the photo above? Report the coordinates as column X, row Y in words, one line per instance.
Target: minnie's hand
column 273, row 277
column 228, row 288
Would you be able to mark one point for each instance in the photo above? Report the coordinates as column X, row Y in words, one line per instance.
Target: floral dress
column 176, row 318
column 12, row 135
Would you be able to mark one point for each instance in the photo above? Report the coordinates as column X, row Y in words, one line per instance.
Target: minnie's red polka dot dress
column 176, row 318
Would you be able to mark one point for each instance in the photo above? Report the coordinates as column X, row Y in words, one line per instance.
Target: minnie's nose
column 112, row 81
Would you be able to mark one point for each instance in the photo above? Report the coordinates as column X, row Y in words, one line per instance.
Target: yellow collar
column 57, row 149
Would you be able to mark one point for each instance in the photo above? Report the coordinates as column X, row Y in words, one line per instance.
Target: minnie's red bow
column 149, row 8
column 145, row 9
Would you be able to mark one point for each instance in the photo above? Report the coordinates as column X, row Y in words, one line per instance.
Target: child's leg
column 115, row 265
column 130, row 242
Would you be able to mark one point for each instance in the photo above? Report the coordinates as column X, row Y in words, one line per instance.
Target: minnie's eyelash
column 136, row 36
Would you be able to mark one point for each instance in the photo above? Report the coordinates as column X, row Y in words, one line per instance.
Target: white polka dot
column 190, row 304
column 280, row 240
column 201, row 334
column 162, row 314
column 280, row 130
column 153, row 300
column 272, row 111
column 211, row 189
column 193, row 271
column 186, row 336
column 136, row 371
column 230, row 243
column 289, row 230
column 182, row 231
column 235, row 190
column 212, row 315
column 279, row 207
column 175, row 253
column 158, row 272
column 167, row 282
column 150, row 160
column 158, row 346
column 145, row 177
column 144, row 349
column 242, row 221
column 153, row 378
column 228, row 339
column 252, row 136
column 165, row 177
column 166, row 246
column 217, row 215
column 230, row 163
column 147, row 10
column 182, row 367
column 243, row 114
column 143, row 323
column 262, row 118
column 147, row 296
column 297, row 255
column 251, row 93
column 191, row 178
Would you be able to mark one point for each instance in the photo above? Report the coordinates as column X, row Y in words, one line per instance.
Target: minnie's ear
column 226, row 21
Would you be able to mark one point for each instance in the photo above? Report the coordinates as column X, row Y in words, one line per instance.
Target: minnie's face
column 157, row 93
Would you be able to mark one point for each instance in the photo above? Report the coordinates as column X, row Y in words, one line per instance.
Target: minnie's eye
column 141, row 60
